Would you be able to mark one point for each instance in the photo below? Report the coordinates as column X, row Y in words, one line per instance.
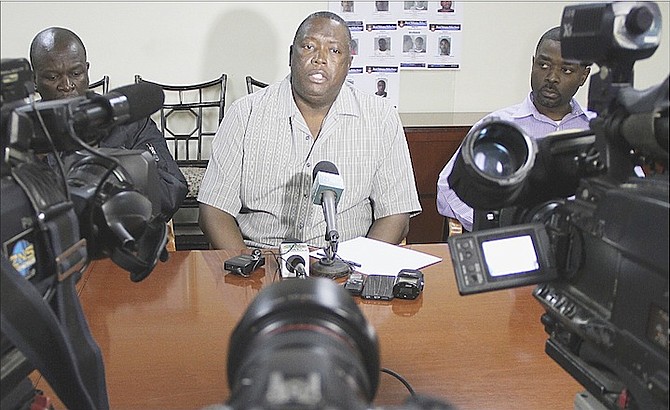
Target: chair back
column 254, row 85
column 188, row 121
column 190, row 117
column 101, row 86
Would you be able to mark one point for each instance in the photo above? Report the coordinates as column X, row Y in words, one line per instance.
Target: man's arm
column 391, row 229
column 144, row 135
column 220, row 228
column 448, row 203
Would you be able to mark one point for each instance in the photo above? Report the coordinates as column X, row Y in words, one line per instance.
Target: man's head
column 553, row 80
column 446, row 5
column 381, row 86
column 320, row 59
column 58, row 57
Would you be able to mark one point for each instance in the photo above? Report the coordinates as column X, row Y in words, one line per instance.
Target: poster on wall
column 390, row 36
column 413, row 35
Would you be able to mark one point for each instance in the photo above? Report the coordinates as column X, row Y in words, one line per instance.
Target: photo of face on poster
column 383, row 45
column 446, row 7
column 381, row 6
column 420, row 44
column 381, row 88
column 347, row 6
column 415, row 5
column 444, row 45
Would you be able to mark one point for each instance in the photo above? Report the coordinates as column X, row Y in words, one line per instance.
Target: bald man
column 60, row 66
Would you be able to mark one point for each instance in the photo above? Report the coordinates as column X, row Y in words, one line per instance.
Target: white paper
column 380, row 258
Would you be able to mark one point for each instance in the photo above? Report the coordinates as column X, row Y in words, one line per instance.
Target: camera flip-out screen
column 502, row 258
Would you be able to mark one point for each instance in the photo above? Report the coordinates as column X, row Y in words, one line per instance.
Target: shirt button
column 307, row 138
column 304, row 195
column 309, row 164
column 301, row 225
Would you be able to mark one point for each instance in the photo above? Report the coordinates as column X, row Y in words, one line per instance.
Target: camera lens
column 493, row 159
column 493, row 163
column 500, row 152
column 307, row 333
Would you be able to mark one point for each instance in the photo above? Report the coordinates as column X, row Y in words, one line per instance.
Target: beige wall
column 180, row 42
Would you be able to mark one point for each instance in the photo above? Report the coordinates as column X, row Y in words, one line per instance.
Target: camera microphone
column 86, row 116
column 124, row 104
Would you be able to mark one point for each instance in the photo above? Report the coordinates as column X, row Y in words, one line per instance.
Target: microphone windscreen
column 325, row 166
column 144, row 99
column 295, row 260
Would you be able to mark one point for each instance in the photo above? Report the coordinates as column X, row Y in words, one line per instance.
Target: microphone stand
column 330, row 266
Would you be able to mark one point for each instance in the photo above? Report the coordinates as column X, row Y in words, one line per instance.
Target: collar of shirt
column 344, row 104
column 527, row 108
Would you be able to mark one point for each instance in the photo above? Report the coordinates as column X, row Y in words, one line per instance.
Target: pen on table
column 352, row 263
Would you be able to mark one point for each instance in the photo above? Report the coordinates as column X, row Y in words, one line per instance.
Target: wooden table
column 165, row 339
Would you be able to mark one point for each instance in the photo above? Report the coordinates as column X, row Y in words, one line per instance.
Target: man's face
column 320, row 61
column 419, row 43
column 382, row 44
column 555, row 81
column 61, row 72
column 444, row 47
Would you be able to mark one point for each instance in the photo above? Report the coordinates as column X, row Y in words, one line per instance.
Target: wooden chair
column 188, row 120
column 254, row 85
column 452, row 226
column 101, row 86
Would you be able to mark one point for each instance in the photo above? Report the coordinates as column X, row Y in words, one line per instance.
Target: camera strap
column 54, row 337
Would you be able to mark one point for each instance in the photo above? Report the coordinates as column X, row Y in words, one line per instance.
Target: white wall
column 188, row 42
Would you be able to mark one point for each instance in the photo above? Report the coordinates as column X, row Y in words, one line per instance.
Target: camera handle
column 63, row 351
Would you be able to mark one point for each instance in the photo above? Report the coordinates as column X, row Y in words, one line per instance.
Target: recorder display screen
column 509, row 256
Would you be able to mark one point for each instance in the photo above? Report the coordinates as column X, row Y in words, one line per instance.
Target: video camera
column 600, row 258
column 99, row 203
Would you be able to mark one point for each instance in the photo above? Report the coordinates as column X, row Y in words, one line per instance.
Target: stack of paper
column 380, row 258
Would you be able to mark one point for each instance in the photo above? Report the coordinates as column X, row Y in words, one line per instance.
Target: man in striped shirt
column 549, row 107
column 256, row 190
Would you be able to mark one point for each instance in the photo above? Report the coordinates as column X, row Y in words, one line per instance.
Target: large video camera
column 63, row 204
column 601, row 257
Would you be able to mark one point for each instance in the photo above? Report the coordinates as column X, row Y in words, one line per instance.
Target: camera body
column 600, row 258
column 98, row 203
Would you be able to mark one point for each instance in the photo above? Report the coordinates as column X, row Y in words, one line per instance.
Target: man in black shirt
column 58, row 58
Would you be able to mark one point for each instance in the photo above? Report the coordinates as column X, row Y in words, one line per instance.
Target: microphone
column 293, row 257
column 88, row 116
column 326, row 191
column 296, row 264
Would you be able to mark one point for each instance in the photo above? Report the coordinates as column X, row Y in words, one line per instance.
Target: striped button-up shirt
column 535, row 124
column 263, row 154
